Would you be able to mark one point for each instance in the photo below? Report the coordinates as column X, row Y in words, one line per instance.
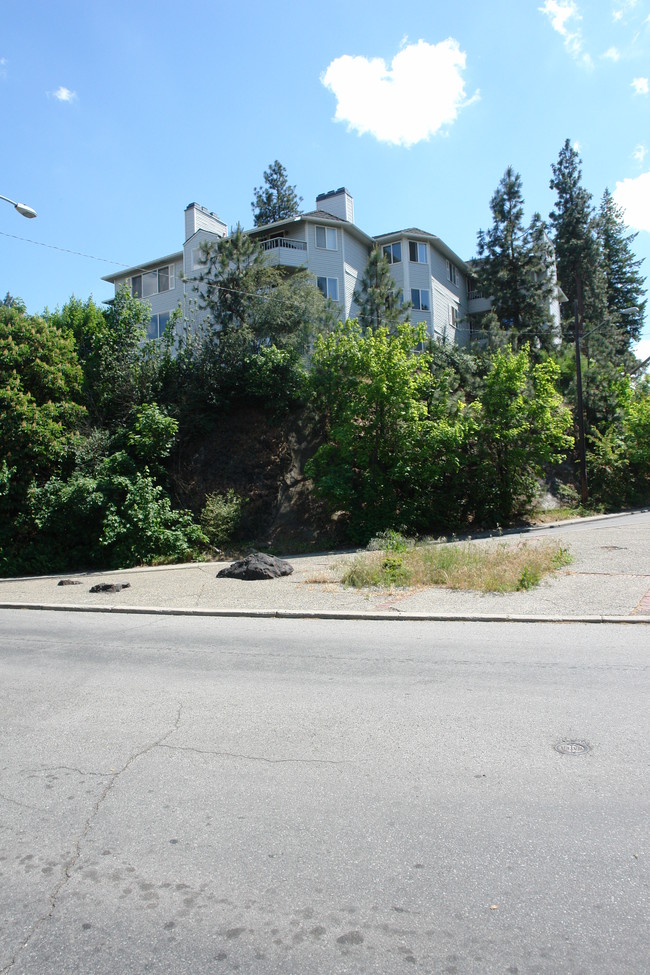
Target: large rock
column 110, row 587
column 257, row 565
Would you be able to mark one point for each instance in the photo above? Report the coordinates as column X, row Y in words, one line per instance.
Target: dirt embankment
column 261, row 459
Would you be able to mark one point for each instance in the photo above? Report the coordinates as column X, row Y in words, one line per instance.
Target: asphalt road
column 274, row 796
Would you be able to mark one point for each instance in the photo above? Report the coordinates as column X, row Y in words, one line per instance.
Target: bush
column 112, row 520
column 221, row 517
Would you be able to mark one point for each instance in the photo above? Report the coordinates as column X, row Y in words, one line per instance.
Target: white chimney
column 198, row 218
column 337, row 202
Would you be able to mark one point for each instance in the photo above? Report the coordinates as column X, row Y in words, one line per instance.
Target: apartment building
column 327, row 242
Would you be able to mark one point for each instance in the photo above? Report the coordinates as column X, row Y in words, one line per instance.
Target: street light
column 581, row 415
column 21, row 207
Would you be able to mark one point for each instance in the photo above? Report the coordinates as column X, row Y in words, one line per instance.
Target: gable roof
column 435, row 241
column 316, row 216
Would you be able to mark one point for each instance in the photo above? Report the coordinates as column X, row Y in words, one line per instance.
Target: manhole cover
column 572, row 747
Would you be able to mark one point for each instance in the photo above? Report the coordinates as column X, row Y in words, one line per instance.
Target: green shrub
column 221, row 517
column 115, row 519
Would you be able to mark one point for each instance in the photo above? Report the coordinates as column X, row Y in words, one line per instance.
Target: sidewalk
column 609, row 580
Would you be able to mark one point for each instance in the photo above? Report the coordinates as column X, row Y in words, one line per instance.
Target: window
column 393, row 253
column 420, row 299
column 326, row 237
column 453, row 315
column 329, row 287
column 157, row 325
column 198, row 259
column 417, row 252
column 452, row 272
column 153, row 282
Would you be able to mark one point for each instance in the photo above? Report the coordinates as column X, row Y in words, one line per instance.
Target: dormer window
column 417, row 252
column 393, row 253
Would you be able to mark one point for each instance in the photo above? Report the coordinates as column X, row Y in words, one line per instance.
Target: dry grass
column 321, row 579
column 462, row 565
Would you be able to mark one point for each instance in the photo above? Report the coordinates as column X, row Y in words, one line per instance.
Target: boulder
column 110, row 587
column 257, row 565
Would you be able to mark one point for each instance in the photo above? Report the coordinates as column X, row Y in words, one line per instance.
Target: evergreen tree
column 378, row 298
column 235, row 280
column 253, row 303
column 516, row 266
column 576, row 244
column 277, row 200
column 623, row 280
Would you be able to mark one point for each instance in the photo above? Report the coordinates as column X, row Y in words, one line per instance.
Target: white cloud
column 633, row 195
column 384, row 100
column 640, row 153
column 565, row 18
column 618, row 13
column 63, row 94
column 640, row 86
column 612, row 54
column 3, row 67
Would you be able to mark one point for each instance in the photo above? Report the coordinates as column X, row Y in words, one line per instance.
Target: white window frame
column 157, row 332
column 329, row 238
column 153, row 277
column 420, row 292
column 453, row 316
column 420, row 250
column 196, row 258
column 452, row 273
column 327, row 285
column 389, row 252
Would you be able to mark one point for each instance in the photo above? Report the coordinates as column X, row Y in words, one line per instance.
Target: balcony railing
column 287, row 243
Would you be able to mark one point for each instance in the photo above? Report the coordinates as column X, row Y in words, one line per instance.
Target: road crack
column 69, row 865
column 254, row 758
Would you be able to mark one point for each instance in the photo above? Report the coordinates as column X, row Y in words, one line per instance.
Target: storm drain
column 572, row 747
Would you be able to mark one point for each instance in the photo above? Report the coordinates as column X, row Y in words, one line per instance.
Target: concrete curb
column 291, row 614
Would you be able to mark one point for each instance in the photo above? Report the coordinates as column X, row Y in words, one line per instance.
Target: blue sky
column 116, row 116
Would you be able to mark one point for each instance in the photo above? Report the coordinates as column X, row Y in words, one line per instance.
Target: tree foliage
column 235, row 282
column 40, row 395
column 276, row 199
column 576, row 243
column 379, row 300
column 624, row 290
column 403, row 452
column 515, row 267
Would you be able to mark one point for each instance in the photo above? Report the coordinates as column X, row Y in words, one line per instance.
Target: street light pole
column 22, row 208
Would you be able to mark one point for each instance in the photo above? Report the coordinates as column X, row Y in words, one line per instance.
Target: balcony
column 477, row 303
column 286, row 251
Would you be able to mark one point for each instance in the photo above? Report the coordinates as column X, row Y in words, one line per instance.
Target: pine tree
column 623, row 280
column 234, row 282
column 516, row 266
column 276, row 200
column 576, row 244
column 377, row 296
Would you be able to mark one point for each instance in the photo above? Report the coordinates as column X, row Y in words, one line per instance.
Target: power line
column 64, row 250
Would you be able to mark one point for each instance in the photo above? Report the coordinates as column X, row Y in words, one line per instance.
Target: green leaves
column 402, row 454
column 276, row 200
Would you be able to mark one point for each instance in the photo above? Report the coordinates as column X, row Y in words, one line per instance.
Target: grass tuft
column 459, row 565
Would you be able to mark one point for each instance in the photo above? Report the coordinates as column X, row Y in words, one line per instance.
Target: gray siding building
column 327, row 242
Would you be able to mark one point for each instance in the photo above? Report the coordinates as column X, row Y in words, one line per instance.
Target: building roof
column 437, row 242
column 315, row 216
column 128, row 272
